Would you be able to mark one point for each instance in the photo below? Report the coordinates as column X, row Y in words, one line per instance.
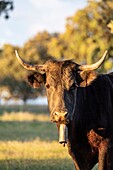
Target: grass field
column 29, row 141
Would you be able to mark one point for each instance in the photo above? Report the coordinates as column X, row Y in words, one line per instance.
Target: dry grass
column 23, row 155
column 35, row 149
column 24, row 116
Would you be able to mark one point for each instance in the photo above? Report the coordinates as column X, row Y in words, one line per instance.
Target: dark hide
column 88, row 100
column 110, row 75
column 99, row 96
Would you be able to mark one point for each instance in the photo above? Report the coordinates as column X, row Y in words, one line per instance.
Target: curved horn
column 29, row 66
column 95, row 65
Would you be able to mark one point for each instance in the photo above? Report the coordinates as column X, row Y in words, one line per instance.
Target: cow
column 80, row 101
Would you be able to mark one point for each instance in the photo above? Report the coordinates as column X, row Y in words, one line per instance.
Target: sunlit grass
column 34, row 155
column 24, row 116
column 35, row 149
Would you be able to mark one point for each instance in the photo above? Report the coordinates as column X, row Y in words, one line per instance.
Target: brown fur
column 94, row 139
column 88, row 77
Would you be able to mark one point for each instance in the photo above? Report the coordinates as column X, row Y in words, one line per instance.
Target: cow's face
column 61, row 90
column 61, row 80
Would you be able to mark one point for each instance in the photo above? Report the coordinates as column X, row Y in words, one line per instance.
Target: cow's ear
column 36, row 79
column 85, row 78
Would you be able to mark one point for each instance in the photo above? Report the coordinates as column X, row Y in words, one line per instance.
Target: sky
column 32, row 16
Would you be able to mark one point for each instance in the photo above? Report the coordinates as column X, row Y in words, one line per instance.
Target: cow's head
column 61, row 79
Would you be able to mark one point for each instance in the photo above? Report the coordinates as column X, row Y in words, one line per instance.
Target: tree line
column 88, row 33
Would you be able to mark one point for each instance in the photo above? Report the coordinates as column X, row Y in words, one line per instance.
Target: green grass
column 25, row 108
column 26, row 131
column 29, row 141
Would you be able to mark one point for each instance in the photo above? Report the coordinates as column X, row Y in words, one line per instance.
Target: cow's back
column 110, row 75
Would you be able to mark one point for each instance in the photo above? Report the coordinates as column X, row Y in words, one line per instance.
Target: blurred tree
column 13, row 75
column 36, row 49
column 18, row 89
column 57, row 46
column 5, row 6
column 87, row 33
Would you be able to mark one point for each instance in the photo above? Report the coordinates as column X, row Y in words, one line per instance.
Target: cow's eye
column 47, row 86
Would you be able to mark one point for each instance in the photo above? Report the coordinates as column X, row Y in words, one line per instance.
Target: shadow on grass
column 27, row 131
column 24, row 108
column 47, row 164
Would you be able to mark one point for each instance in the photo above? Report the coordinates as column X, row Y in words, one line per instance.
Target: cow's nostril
column 61, row 117
column 56, row 114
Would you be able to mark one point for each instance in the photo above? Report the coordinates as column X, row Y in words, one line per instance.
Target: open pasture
column 29, row 141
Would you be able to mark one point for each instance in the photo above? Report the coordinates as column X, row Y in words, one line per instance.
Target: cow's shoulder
column 104, row 81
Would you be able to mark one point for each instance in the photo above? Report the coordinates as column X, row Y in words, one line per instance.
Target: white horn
column 95, row 65
column 27, row 66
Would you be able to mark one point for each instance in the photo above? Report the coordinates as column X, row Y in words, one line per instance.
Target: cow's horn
column 93, row 66
column 27, row 66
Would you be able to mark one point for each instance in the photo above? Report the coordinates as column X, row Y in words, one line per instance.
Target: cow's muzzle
column 60, row 117
column 63, row 134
